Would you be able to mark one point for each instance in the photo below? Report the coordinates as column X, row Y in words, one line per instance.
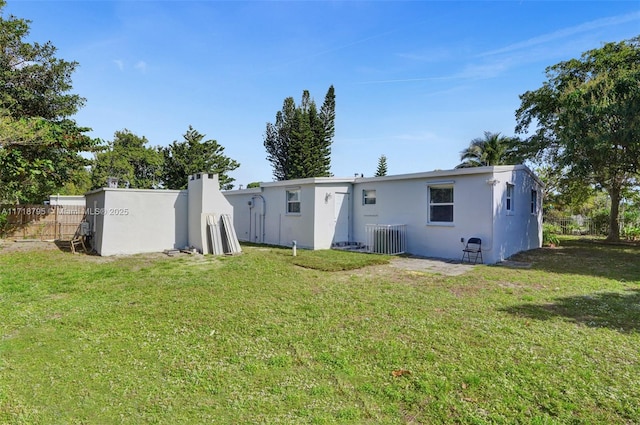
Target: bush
column 4, row 219
column 550, row 234
column 631, row 233
column 600, row 220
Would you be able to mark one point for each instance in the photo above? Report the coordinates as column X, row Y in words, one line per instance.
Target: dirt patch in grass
column 26, row 246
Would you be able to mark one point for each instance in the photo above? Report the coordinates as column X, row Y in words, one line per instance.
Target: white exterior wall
column 95, row 202
column 249, row 206
column 406, row 201
column 519, row 229
column 260, row 214
column 280, row 227
column 205, row 199
column 132, row 221
column 478, row 211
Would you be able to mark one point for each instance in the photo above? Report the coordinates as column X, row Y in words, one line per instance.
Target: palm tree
column 493, row 149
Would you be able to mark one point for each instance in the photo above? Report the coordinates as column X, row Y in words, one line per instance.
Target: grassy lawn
column 325, row 337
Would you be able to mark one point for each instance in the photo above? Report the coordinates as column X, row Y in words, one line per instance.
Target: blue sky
column 415, row 81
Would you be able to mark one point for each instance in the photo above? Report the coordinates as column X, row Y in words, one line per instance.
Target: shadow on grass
column 587, row 257
column 619, row 311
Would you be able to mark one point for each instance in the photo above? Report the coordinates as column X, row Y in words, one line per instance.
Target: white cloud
column 119, row 63
column 141, row 66
column 566, row 32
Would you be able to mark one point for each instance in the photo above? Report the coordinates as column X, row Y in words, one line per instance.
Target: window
column 440, row 204
column 368, row 197
column 509, row 205
column 534, row 201
column 293, row 201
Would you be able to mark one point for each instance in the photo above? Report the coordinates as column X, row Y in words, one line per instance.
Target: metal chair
column 473, row 248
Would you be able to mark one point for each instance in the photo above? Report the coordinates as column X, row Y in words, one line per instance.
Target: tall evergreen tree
column 382, row 166
column 298, row 143
column 195, row 155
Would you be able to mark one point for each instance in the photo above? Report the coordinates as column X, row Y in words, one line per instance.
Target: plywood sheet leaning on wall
column 215, row 235
column 229, row 237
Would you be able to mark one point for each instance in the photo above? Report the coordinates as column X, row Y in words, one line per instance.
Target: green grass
column 265, row 337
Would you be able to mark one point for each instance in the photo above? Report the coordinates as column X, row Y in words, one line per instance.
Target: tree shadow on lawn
column 620, row 262
column 619, row 311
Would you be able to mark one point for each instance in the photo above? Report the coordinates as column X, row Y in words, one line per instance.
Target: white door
column 341, row 217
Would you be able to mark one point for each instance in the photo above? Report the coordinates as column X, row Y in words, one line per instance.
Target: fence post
column 55, row 223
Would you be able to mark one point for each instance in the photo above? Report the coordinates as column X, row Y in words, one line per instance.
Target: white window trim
column 440, row 185
column 365, row 197
column 534, row 202
column 287, row 202
column 510, row 198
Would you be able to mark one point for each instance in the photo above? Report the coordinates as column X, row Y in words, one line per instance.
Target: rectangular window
column 368, row 197
column 509, row 205
column 440, row 204
column 293, row 201
column 534, row 201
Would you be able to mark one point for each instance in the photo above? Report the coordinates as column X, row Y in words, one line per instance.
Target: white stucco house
column 132, row 221
column 427, row 214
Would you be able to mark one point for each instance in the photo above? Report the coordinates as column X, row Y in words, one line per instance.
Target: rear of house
column 313, row 212
column 435, row 212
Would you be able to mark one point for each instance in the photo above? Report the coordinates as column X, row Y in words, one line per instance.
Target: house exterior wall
column 479, row 203
column 260, row 214
column 517, row 229
column 132, row 221
column 249, row 207
column 406, row 201
column 478, row 211
column 95, row 203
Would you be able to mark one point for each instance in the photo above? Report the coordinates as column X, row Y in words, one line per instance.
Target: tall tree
column 193, row 155
column 299, row 142
column 127, row 158
column 382, row 166
column 493, row 149
column 39, row 143
column 586, row 120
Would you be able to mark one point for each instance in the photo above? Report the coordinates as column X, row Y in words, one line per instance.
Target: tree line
column 41, row 145
column 580, row 130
